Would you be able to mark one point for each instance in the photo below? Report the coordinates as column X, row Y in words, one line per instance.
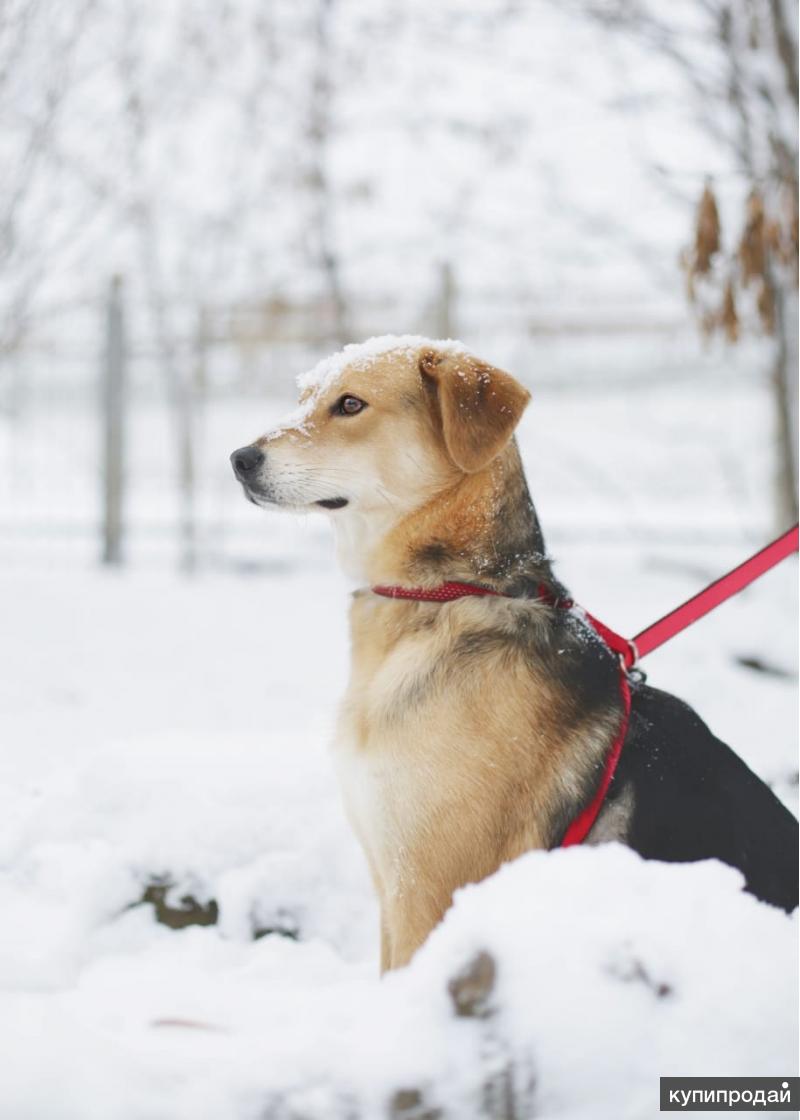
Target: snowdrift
column 562, row 987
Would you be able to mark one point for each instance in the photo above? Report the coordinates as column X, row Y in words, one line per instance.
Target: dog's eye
column 349, row 406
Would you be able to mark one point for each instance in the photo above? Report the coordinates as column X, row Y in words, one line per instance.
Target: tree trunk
column 318, row 179
column 113, row 425
column 785, row 384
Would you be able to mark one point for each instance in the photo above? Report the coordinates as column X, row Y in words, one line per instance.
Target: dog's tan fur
column 463, row 738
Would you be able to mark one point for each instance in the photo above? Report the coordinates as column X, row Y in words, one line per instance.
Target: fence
column 136, row 430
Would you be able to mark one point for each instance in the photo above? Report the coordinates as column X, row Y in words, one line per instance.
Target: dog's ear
column 478, row 406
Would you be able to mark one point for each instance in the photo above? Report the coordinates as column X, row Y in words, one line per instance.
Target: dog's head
column 380, row 430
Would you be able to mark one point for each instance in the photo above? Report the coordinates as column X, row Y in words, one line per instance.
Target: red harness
column 628, row 650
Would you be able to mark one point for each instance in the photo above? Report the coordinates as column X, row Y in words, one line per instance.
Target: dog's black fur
column 679, row 794
column 693, row 798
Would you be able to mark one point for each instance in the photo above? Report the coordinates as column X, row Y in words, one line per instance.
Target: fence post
column 445, row 304
column 113, row 420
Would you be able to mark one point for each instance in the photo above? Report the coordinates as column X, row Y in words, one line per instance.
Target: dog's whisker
column 392, row 500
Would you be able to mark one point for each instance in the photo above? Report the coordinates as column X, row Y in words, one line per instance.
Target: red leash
column 717, row 592
column 628, row 651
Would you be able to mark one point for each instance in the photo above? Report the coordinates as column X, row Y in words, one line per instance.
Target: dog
column 475, row 730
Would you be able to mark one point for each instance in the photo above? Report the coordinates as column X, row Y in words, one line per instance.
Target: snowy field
column 170, row 733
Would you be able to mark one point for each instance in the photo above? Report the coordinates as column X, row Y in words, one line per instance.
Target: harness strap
column 580, row 828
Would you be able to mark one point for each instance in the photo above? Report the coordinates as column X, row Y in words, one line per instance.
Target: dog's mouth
column 262, row 498
column 257, row 497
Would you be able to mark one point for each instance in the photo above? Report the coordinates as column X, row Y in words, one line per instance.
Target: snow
column 158, row 729
column 313, row 383
column 359, row 355
column 611, row 971
column 165, row 728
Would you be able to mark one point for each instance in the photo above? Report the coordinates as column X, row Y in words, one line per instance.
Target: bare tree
column 318, row 176
column 38, row 51
column 745, row 92
column 145, row 219
column 113, row 408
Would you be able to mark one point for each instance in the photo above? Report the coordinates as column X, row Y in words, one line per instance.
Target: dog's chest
column 388, row 806
column 385, row 762
column 365, row 780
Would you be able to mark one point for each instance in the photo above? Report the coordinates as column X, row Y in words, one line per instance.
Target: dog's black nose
column 246, row 461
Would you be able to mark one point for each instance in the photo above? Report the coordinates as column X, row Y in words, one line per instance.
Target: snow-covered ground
column 169, row 731
column 175, row 730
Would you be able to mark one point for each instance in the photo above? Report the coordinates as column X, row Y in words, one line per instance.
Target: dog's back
column 680, row 794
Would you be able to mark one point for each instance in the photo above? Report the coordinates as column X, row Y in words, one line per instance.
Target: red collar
column 581, row 826
column 441, row 594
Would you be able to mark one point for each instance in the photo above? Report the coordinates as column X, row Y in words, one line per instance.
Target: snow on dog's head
column 381, row 428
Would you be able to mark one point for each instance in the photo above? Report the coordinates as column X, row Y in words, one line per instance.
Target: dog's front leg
column 422, row 878
column 409, row 916
column 386, row 944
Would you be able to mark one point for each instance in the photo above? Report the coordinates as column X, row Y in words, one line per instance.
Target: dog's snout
column 246, row 461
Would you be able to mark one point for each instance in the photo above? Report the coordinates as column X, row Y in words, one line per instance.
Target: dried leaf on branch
column 729, row 319
column 707, row 234
column 753, row 246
